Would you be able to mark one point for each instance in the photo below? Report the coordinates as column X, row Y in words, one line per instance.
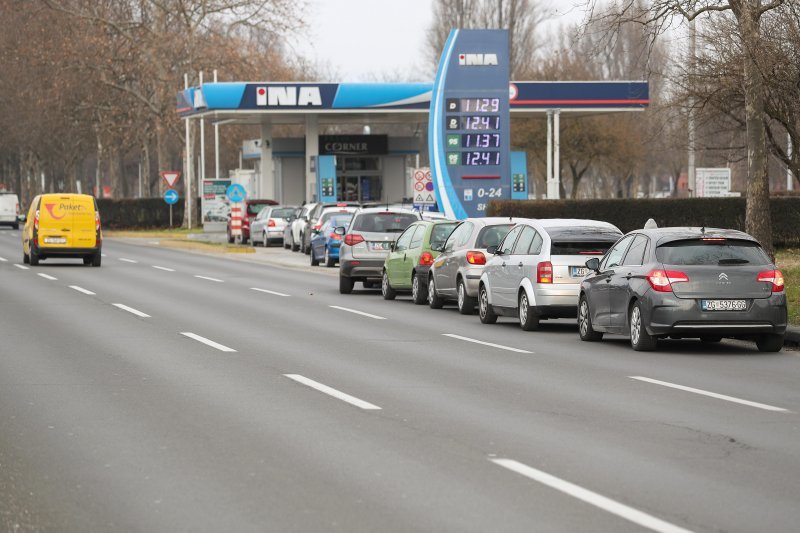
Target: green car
column 406, row 268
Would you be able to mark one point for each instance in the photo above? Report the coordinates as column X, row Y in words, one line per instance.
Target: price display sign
column 469, row 129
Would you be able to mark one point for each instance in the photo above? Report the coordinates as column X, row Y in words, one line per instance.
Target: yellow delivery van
column 62, row 225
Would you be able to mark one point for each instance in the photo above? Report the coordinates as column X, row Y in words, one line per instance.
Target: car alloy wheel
column 265, row 242
column 485, row 311
column 415, row 288
column 636, row 325
column 528, row 321
column 386, row 289
column 587, row 332
column 641, row 341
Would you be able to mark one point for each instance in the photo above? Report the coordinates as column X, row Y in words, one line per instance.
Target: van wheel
column 345, row 285
column 528, row 320
column 386, row 289
column 96, row 259
column 434, row 300
column 419, row 290
column 466, row 303
column 34, row 258
column 15, row 226
column 26, row 259
column 641, row 341
column 485, row 310
column 585, row 329
column 88, row 260
column 769, row 343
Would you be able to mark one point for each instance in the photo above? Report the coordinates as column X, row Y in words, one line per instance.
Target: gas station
column 460, row 123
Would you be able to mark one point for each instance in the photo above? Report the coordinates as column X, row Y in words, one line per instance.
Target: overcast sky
column 377, row 40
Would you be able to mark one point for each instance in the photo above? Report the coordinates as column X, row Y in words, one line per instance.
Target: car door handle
column 504, row 264
column 520, row 264
column 629, row 276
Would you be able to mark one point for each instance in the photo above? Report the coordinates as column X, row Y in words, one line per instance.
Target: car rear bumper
column 361, row 268
column 557, row 295
column 65, row 252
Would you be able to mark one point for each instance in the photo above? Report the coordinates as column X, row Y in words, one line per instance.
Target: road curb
column 792, row 337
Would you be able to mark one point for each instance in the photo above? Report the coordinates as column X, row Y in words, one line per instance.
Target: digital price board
column 469, row 143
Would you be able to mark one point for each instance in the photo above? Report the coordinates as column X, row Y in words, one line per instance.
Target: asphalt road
column 163, row 392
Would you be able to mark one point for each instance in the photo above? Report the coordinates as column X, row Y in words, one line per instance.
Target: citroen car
column 268, row 226
column 684, row 283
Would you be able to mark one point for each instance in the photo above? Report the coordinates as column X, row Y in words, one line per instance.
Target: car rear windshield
column 492, row 235
column 284, row 212
column 441, row 232
column 338, row 220
column 254, row 209
column 711, row 252
column 580, row 247
column 386, row 222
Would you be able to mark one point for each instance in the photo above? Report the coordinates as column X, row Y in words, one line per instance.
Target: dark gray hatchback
column 684, row 283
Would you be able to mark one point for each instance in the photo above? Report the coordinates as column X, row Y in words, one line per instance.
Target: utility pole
column 692, row 62
column 187, row 162
column 216, row 141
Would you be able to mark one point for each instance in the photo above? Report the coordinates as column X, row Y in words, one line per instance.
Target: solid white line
column 362, row 313
column 493, row 345
column 712, row 394
column 81, row 289
column 127, row 260
column 46, row 276
column 131, row 310
column 211, row 343
column 23, row 267
column 268, row 292
column 331, row 392
column 209, row 279
column 592, row 498
column 164, row 268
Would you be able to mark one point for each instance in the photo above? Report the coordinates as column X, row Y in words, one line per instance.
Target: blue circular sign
column 171, row 196
column 236, row 193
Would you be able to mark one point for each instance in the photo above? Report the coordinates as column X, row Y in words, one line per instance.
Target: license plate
column 578, row 272
column 380, row 246
column 55, row 240
column 723, row 305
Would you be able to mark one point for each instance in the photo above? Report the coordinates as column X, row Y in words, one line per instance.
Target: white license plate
column 380, row 246
column 723, row 305
column 578, row 272
column 55, row 240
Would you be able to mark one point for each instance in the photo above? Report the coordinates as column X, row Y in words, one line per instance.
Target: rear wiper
column 733, row 261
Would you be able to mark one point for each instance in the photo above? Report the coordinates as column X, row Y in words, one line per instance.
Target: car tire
column 314, row 260
column 387, row 291
column 15, row 226
column 345, row 285
column 285, row 244
column 265, row 242
column 585, row 329
column 295, row 246
column 528, row 319
column 466, row 303
column 34, row 258
column 97, row 259
column 641, row 341
column 330, row 262
column 88, row 260
column 434, row 300
column 769, row 343
column 230, row 238
column 26, row 259
column 485, row 311
column 419, row 290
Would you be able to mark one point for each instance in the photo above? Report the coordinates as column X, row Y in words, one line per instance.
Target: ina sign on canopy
column 469, row 129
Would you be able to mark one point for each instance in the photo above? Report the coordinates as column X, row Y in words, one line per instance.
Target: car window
column 712, row 252
column 254, row 209
column 536, row 245
column 441, row 232
column 635, row 255
column 416, row 238
column 456, row 236
column 615, row 254
column 492, row 235
column 383, row 222
column 404, row 240
column 524, row 242
column 465, row 234
column 508, row 242
column 580, row 247
column 262, row 214
column 284, row 212
column 340, row 221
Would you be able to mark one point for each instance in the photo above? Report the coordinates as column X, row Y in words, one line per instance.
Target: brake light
column 544, row 272
column 775, row 277
column 476, row 258
column 96, row 221
column 426, row 259
column 17, row 208
column 662, row 280
column 335, row 236
column 352, row 239
column 316, row 226
column 36, row 220
column 271, row 223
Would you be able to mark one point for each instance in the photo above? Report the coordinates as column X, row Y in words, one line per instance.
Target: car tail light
column 36, row 220
column 271, row 223
column 17, row 208
column 775, row 277
column 335, row 236
column 352, row 239
column 426, row 259
column 476, row 258
column 96, row 221
column 544, row 272
column 662, row 280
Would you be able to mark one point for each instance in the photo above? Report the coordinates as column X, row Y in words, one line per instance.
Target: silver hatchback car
column 367, row 242
column 535, row 273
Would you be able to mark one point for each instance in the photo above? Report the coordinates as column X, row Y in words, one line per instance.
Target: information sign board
column 712, row 182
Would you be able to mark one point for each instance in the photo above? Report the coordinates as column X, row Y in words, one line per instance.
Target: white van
column 9, row 210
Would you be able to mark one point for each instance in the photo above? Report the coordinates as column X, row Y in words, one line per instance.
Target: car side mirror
column 21, row 218
column 393, row 246
column 340, row 230
column 492, row 249
column 437, row 246
column 593, row 264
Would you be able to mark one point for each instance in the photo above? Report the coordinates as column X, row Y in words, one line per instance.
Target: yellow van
column 62, row 225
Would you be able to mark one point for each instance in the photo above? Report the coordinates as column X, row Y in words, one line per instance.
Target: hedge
column 630, row 214
column 140, row 213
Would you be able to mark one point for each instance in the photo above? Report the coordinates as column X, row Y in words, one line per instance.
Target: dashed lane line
column 165, row 269
column 592, row 498
column 126, row 260
column 354, row 311
column 209, row 279
column 493, row 345
column 208, row 342
column 21, row 267
column 47, row 276
column 81, row 289
column 352, row 400
column 131, row 310
column 269, row 292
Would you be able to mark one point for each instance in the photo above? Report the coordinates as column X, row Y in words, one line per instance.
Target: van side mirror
column 492, row 249
column 593, row 264
column 21, row 218
column 340, row 230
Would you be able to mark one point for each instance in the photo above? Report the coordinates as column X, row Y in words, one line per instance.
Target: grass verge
column 789, row 262
column 175, row 233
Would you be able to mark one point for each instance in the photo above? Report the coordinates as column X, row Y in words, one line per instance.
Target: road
column 171, row 391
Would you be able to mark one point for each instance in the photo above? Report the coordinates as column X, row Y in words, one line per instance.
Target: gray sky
column 377, row 40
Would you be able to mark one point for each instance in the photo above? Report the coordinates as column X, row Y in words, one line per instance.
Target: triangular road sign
column 171, row 177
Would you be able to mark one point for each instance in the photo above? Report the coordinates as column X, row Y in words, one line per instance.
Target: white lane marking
column 125, row 259
column 2, row 259
column 164, row 268
column 209, row 279
column 712, row 394
column 81, row 289
column 591, row 497
column 23, row 267
column 218, row 346
column 131, row 310
column 102, row 255
column 362, row 313
column 352, row 400
column 268, row 292
column 493, row 345
column 47, row 276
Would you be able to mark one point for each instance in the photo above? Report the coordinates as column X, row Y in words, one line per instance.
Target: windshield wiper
column 733, row 261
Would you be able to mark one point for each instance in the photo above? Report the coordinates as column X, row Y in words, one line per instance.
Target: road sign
column 422, row 183
column 712, row 182
column 171, row 177
column 171, row 196
column 236, row 193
